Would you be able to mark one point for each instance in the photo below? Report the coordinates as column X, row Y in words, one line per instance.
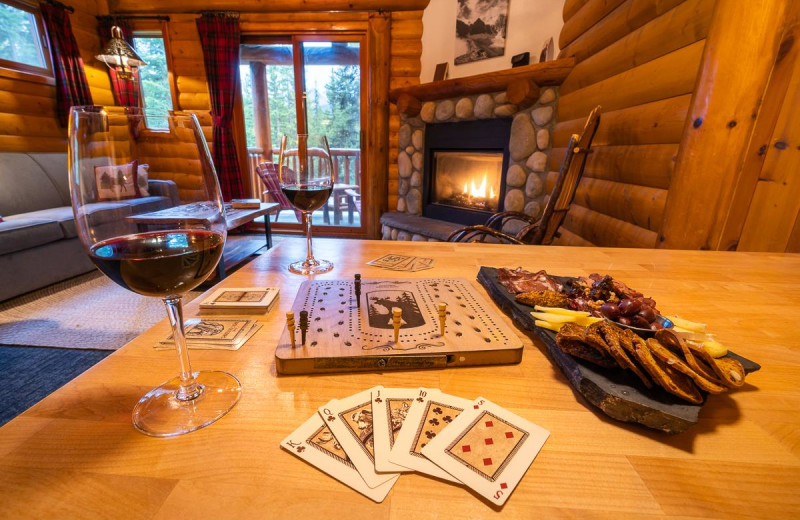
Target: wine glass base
column 311, row 267
column 161, row 414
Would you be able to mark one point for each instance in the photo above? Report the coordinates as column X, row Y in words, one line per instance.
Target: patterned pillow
column 116, row 182
column 142, row 173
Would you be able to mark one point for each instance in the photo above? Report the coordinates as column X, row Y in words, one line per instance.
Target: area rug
column 85, row 312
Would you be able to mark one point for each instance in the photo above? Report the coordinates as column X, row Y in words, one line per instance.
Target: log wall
column 28, row 121
column 639, row 60
column 404, row 69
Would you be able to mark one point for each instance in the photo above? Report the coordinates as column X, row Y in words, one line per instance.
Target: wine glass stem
column 310, row 253
column 189, row 389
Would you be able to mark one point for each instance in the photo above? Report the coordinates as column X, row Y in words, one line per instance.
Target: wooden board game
column 340, row 336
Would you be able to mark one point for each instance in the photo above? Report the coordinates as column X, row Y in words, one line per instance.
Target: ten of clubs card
column 487, row 448
column 431, row 412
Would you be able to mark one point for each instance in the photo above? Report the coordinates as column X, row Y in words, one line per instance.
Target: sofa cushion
column 62, row 215
column 56, row 167
column 142, row 174
column 148, row 204
column 18, row 233
column 25, row 186
column 116, row 181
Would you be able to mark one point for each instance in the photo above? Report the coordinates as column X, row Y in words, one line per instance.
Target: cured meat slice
column 666, row 377
column 667, row 356
column 571, row 340
column 519, row 280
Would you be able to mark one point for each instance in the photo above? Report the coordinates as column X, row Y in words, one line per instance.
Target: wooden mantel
column 547, row 73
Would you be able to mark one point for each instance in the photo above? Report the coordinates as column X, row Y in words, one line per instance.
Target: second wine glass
column 306, row 177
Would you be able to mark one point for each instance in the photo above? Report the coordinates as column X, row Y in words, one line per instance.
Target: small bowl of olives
column 637, row 314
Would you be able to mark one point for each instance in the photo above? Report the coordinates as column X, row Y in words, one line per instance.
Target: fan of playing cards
column 368, row 439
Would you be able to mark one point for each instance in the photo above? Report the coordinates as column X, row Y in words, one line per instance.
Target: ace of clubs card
column 314, row 443
column 487, row 448
column 350, row 420
column 390, row 407
column 431, row 412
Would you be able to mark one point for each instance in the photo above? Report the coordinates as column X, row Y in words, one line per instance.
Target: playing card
column 206, row 334
column 431, row 412
column 487, row 448
column 225, row 330
column 389, row 260
column 389, row 409
column 314, row 443
column 350, row 420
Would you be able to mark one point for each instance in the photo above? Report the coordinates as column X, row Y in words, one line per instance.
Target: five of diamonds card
column 368, row 439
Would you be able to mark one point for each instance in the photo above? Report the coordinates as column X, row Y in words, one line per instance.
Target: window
column 23, row 46
column 308, row 83
column 153, row 79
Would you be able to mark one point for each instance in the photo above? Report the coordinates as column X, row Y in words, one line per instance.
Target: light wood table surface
column 76, row 454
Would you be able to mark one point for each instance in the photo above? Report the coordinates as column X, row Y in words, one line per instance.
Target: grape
column 610, row 310
column 624, row 320
column 638, row 321
column 647, row 313
column 628, row 307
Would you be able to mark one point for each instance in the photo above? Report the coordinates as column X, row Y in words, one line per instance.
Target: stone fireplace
column 522, row 163
column 464, row 170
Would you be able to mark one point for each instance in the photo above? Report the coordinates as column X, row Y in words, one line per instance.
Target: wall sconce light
column 120, row 56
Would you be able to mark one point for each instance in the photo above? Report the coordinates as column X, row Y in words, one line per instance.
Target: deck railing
column 346, row 167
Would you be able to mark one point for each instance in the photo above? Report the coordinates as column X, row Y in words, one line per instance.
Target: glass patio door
column 308, row 84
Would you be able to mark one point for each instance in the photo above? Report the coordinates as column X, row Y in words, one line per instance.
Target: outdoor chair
column 268, row 173
column 544, row 230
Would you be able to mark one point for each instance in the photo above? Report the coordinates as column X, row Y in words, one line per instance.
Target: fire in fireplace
column 465, row 165
column 468, row 180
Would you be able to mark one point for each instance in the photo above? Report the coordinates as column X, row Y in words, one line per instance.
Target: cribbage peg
column 397, row 319
column 290, row 326
column 303, row 327
column 442, row 316
column 358, row 289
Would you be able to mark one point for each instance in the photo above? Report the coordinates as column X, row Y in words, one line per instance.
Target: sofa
column 39, row 244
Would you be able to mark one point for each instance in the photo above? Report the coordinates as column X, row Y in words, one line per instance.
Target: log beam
column 522, row 92
column 744, row 36
column 547, row 73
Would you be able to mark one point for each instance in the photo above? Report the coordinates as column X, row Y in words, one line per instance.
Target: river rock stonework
column 529, row 146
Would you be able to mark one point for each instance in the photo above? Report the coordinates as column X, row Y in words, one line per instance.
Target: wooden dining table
column 76, row 454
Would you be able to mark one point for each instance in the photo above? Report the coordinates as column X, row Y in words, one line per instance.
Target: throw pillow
column 142, row 173
column 116, row 182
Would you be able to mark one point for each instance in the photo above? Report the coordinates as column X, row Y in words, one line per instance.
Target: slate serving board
column 618, row 393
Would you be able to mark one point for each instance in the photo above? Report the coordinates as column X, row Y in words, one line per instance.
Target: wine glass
column 306, row 177
column 159, row 238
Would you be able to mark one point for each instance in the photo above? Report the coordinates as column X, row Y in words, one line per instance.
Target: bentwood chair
column 268, row 173
column 544, row 230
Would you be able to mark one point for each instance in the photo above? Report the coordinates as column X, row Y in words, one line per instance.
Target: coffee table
column 235, row 251
column 76, row 455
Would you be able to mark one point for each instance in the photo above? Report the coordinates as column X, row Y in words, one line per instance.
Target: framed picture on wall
column 480, row 30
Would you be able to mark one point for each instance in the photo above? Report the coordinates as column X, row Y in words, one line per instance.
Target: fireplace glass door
column 468, row 180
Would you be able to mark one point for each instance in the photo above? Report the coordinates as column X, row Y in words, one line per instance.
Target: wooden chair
column 544, row 230
column 268, row 173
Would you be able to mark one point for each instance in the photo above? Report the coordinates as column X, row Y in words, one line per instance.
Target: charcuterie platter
column 620, row 394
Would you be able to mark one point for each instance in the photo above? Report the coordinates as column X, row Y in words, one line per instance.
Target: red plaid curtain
column 126, row 91
column 219, row 36
column 72, row 89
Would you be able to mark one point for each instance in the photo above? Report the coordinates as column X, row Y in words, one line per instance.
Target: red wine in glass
column 307, row 198
column 161, row 263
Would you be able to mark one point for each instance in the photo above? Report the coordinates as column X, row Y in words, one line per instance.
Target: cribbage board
column 342, row 338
